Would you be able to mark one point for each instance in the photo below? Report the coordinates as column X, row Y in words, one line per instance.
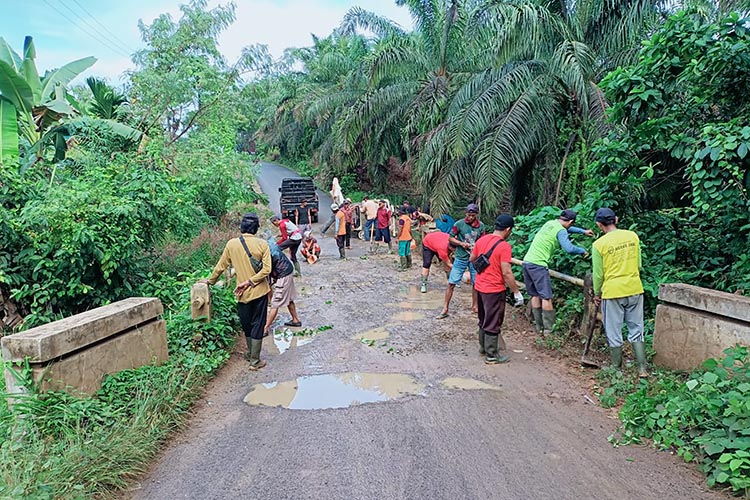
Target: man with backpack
column 251, row 258
column 282, row 284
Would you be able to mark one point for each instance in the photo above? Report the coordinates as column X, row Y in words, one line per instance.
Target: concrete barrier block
column 84, row 371
column 704, row 299
column 56, row 339
column 685, row 338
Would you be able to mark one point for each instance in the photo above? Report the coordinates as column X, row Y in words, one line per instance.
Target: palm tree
column 107, row 102
column 502, row 129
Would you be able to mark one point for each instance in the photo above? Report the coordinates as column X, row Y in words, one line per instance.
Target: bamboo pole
column 555, row 274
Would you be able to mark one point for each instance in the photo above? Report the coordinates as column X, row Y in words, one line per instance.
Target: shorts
column 283, row 292
column 491, row 311
column 427, row 256
column 537, row 281
column 383, row 234
column 458, row 270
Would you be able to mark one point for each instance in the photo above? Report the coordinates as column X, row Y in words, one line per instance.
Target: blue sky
column 65, row 30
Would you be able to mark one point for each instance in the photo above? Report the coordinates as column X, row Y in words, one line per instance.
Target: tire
column 315, row 218
column 361, row 234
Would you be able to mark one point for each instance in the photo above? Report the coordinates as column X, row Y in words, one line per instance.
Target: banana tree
column 40, row 105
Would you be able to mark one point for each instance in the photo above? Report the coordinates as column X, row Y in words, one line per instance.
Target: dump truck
column 295, row 189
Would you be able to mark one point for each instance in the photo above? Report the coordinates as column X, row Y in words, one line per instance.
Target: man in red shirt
column 383, row 232
column 490, row 285
column 435, row 243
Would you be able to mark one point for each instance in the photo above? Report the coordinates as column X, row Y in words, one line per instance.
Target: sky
column 66, row 30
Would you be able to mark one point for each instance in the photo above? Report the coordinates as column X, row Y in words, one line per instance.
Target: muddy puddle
column 412, row 298
column 467, row 384
column 408, row 316
column 379, row 333
column 337, row 390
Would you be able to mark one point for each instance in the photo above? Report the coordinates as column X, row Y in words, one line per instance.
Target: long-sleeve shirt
column 616, row 260
column 566, row 244
column 550, row 237
column 289, row 231
column 234, row 255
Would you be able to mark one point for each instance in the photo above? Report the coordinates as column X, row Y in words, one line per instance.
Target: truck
column 295, row 189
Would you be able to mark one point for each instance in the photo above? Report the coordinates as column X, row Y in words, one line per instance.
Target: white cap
column 334, row 206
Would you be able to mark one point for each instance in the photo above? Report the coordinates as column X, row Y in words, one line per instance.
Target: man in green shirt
column 552, row 235
column 616, row 260
column 463, row 235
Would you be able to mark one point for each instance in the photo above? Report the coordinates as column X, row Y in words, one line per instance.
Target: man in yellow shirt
column 251, row 258
column 618, row 288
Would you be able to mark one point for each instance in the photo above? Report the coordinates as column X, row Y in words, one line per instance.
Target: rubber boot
column 536, row 312
column 615, row 354
column 342, row 254
column 480, row 333
column 402, row 263
column 408, row 261
column 490, row 347
column 548, row 319
column 253, row 355
column 500, row 342
column 639, row 348
column 390, row 247
column 423, row 288
column 297, row 271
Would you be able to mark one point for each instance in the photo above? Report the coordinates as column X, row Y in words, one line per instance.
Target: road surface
column 440, row 425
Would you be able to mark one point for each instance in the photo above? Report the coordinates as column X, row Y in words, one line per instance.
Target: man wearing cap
column 491, row 285
column 552, row 235
column 251, row 258
column 463, row 235
column 291, row 238
column 370, row 211
column 349, row 217
column 616, row 258
column 340, row 229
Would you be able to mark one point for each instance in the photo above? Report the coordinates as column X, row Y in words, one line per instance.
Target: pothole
column 337, row 390
column 408, row 316
column 379, row 333
column 287, row 338
column 467, row 384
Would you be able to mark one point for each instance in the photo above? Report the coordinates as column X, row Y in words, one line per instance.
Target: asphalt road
column 270, row 178
column 536, row 436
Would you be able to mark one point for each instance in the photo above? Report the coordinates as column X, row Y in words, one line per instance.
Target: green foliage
column 705, row 418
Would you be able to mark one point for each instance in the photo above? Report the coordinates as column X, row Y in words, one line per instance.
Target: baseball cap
column 276, row 217
column 334, row 206
column 605, row 216
column 504, row 221
column 568, row 214
column 472, row 208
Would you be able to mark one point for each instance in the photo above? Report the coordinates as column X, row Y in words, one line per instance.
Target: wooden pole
column 556, row 274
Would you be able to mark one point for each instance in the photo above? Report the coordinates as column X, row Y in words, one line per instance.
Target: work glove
column 518, row 296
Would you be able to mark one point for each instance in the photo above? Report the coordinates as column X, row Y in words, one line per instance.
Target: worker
column 310, row 248
column 283, row 292
column 435, row 243
column 464, row 234
column 616, row 259
column 552, row 235
column 404, row 239
column 491, row 284
column 340, row 230
column 383, row 231
column 370, row 211
column 303, row 216
column 348, row 210
column 291, row 238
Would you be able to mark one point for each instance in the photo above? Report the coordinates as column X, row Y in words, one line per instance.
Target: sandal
column 443, row 316
column 293, row 323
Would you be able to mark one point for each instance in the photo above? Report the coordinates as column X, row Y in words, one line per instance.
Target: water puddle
column 412, row 298
column 468, row 384
column 337, row 390
column 379, row 333
column 285, row 339
column 408, row 316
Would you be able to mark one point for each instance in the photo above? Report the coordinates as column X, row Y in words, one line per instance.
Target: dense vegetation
column 108, row 193
column 524, row 107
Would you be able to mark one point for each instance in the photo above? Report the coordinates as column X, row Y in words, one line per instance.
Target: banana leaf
column 15, row 89
column 64, row 74
column 8, row 131
column 9, row 55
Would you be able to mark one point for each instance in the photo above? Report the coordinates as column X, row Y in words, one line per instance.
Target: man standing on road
column 435, row 243
column 464, row 234
column 383, row 232
column 349, row 218
column 616, row 260
column 291, row 238
column 282, row 284
column 370, row 211
column 302, row 216
column 340, row 230
column 404, row 239
column 552, row 235
column 251, row 258
column 491, row 284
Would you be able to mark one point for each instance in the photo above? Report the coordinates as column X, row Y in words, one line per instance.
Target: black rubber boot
column 639, row 348
column 548, row 318
column 490, row 346
column 342, row 254
column 536, row 312
column 297, row 271
column 402, row 263
column 408, row 261
column 480, row 333
column 615, row 354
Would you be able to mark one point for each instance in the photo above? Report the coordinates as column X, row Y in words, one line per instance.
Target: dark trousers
column 340, row 243
column 491, row 308
column 292, row 245
column 348, row 234
column 253, row 316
